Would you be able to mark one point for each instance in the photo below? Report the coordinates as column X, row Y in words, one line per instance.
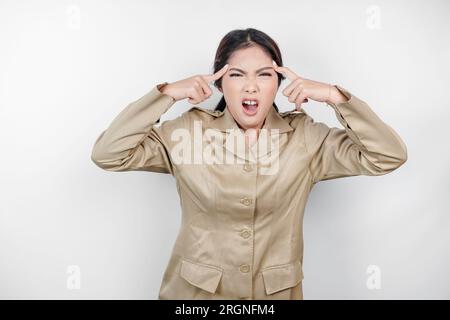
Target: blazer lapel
column 270, row 139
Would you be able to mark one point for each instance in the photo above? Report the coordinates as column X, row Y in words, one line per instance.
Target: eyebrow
column 260, row 69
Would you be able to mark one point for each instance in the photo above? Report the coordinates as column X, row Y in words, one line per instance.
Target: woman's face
column 250, row 75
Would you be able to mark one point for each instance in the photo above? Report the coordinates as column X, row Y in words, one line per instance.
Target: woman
column 241, row 229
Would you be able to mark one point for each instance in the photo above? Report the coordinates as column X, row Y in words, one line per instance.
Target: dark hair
column 239, row 39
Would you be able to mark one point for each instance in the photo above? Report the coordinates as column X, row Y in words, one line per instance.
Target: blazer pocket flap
column 281, row 277
column 206, row 277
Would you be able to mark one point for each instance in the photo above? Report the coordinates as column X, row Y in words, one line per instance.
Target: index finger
column 217, row 75
column 285, row 71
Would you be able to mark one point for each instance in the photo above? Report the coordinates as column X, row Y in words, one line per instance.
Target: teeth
column 250, row 102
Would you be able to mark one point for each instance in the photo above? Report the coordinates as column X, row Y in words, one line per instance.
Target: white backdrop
column 69, row 230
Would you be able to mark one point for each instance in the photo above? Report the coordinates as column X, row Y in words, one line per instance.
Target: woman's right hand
column 196, row 88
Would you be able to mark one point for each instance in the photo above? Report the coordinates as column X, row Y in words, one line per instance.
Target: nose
column 251, row 87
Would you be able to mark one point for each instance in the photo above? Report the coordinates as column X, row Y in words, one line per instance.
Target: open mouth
column 250, row 106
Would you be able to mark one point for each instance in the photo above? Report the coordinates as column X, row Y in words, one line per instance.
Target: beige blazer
column 241, row 228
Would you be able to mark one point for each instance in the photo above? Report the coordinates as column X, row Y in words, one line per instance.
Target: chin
column 249, row 123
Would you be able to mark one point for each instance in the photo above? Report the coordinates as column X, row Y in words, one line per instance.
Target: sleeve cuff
column 350, row 112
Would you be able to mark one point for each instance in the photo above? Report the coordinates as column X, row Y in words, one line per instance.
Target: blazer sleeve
column 366, row 145
column 132, row 141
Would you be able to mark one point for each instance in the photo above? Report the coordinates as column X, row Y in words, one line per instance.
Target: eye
column 238, row 75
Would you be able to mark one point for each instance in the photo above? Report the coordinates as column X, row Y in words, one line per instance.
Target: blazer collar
column 273, row 120
column 225, row 122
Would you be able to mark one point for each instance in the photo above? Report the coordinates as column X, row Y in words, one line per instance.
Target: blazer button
column 246, row 201
column 245, row 234
column 244, row 268
column 248, row 167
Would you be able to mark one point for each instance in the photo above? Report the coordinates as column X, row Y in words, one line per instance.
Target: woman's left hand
column 301, row 89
